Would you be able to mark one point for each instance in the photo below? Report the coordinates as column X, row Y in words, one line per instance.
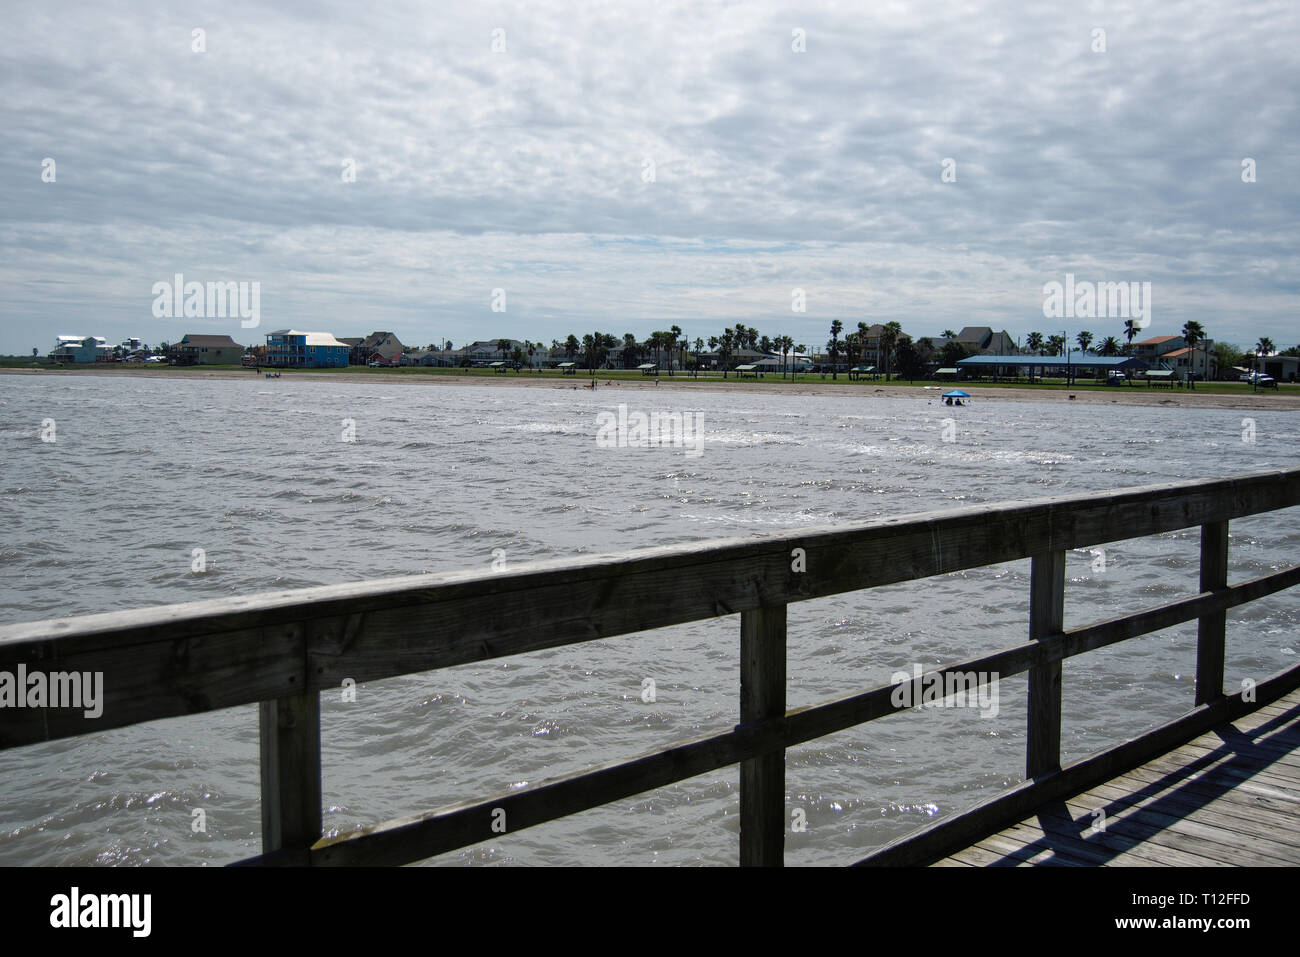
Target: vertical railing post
column 1210, row 629
column 1046, row 618
column 762, row 696
column 289, row 729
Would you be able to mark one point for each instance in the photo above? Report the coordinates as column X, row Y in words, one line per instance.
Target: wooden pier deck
column 1229, row 798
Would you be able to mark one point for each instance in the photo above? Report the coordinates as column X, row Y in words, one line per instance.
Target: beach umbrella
column 956, row 394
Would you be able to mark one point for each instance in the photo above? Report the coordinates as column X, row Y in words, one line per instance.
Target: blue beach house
column 290, row 348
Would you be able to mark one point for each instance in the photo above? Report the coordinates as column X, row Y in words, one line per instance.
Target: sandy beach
column 1121, row 395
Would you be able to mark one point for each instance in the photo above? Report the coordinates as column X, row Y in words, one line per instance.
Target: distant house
column 208, row 350
column 776, row 362
column 443, row 358
column 1199, row 360
column 384, row 346
column 289, row 348
column 738, row 356
column 1152, row 350
column 81, row 349
column 983, row 341
column 485, row 351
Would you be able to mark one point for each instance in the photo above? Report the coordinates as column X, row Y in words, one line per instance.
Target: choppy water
column 143, row 471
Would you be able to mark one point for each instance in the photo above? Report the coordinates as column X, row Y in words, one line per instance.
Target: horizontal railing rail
column 281, row 649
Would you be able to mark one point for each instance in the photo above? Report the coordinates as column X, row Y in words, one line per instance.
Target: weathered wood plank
column 289, row 731
column 180, row 659
column 426, row 835
column 1261, row 757
column 1225, row 768
column 145, row 680
column 1206, row 784
column 1046, row 621
column 1103, row 633
column 942, row 838
column 1217, row 837
column 762, row 698
column 1210, row 629
column 981, row 856
column 1082, row 845
column 1279, row 828
column 1063, row 815
column 1030, row 854
column 209, row 675
column 1123, row 851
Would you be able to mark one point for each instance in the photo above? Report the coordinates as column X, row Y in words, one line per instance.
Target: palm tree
column 1110, row 346
column 1130, row 333
column 503, row 346
column 1263, row 348
column 834, row 344
column 1034, row 343
column 785, row 343
column 851, row 349
column 949, row 334
column 724, row 344
column 571, row 346
column 1192, row 334
column 888, row 339
column 1084, row 339
column 674, row 333
column 740, row 335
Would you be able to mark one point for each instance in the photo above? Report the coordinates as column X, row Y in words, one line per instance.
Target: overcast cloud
column 525, row 169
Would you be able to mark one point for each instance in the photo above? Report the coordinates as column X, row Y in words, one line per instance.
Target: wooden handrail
column 282, row 649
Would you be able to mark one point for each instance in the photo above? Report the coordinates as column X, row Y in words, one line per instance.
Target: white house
column 80, row 349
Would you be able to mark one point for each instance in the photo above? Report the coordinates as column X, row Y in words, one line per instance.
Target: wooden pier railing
column 282, row 649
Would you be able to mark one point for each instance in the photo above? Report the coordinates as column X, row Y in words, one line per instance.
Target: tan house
column 207, row 350
column 382, row 346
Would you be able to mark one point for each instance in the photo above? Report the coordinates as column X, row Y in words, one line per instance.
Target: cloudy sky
column 626, row 167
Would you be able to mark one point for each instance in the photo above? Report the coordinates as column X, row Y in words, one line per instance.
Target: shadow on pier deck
column 1228, row 798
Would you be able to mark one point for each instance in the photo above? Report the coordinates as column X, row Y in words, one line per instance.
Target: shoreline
column 1117, row 395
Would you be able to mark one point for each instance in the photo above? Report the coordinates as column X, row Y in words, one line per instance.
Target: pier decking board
column 1228, row 798
column 1255, row 822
